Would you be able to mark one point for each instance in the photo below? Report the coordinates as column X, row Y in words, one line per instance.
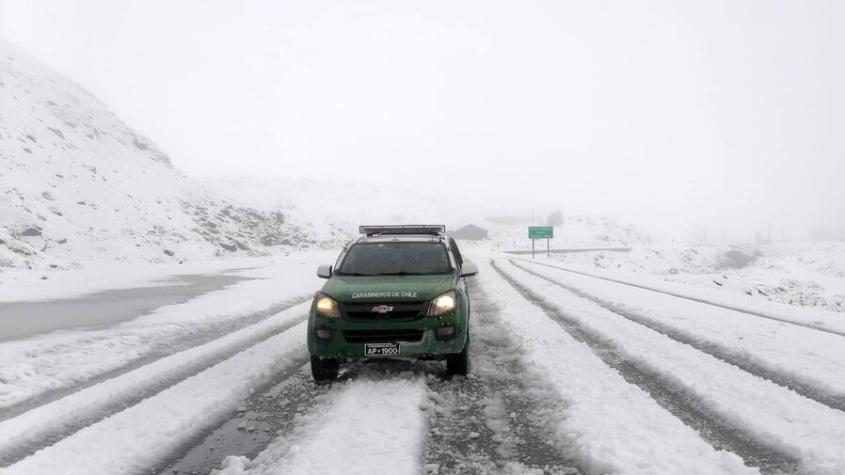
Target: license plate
column 381, row 349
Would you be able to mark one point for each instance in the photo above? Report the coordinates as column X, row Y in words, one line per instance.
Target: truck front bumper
column 428, row 337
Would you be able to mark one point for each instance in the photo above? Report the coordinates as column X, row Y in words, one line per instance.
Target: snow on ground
column 78, row 214
column 801, row 274
column 812, row 432
column 63, row 415
column 805, row 274
column 135, row 439
column 500, row 418
column 379, row 420
column 802, row 353
column 811, row 316
column 363, row 426
column 615, row 427
column 62, row 359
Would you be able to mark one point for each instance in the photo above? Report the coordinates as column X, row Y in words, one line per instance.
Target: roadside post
column 541, row 232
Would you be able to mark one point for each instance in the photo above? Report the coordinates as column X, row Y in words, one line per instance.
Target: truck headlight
column 443, row 304
column 326, row 306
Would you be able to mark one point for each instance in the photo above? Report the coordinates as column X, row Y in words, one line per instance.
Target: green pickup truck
column 396, row 292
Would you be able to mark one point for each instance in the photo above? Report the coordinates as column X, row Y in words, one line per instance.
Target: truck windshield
column 395, row 258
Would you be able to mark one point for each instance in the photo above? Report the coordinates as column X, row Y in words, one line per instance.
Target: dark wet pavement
column 24, row 319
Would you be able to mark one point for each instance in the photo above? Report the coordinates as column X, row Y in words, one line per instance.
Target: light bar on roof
column 386, row 230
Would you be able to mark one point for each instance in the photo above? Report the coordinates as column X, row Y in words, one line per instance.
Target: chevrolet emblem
column 382, row 309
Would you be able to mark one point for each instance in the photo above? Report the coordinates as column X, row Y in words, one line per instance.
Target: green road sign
column 541, row 232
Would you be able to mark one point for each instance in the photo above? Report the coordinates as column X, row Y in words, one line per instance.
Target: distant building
column 470, row 232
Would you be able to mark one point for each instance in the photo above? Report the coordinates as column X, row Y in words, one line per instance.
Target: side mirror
column 324, row 271
column 468, row 269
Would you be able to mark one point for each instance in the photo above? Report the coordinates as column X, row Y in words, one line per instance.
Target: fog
column 724, row 115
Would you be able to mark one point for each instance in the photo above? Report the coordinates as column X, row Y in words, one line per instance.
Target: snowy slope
column 77, row 184
column 335, row 208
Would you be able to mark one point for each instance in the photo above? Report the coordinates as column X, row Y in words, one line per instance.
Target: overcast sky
column 728, row 113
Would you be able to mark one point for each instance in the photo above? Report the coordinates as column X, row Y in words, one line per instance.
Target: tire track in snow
column 159, row 351
column 133, row 440
column 679, row 402
column 493, row 421
column 270, row 412
column 374, row 422
column 52, row 422
column 694, row 299
column 789, row 381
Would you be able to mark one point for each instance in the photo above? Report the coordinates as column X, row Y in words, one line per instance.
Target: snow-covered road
column 570, row 374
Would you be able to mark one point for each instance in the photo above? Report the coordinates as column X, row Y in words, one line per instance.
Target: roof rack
column 433, row 230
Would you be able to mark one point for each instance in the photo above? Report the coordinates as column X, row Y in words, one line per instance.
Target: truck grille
column 400, row 311
column 381, row 336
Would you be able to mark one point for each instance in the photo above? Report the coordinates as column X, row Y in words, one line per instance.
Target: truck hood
column 389, row 288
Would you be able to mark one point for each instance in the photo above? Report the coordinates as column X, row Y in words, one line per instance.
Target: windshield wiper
column 356, row 274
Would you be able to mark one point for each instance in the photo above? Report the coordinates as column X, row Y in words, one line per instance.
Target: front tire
column 324, row 369
column 458, row 363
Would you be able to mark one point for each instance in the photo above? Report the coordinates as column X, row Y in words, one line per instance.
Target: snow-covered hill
column 333, row 209
column 77, row 184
